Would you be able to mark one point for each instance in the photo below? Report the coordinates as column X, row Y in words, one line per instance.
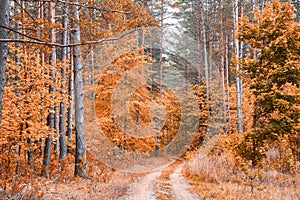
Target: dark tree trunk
column 51, row 121
column 4, row 22
column 47, row 155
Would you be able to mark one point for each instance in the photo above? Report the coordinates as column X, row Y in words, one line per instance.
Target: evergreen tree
column 275, row 73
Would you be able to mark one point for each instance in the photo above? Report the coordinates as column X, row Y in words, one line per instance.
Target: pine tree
column 275, row 73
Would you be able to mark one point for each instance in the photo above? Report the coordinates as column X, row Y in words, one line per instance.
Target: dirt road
column 144, row 189
column 180, row 187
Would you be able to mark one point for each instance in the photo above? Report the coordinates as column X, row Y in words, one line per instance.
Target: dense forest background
column 219, row 78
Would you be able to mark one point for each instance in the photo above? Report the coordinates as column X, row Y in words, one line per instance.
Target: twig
column 92, row 7
column 13, row 30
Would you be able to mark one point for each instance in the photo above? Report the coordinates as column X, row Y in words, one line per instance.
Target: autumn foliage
column 266, row 157
column 274, row 36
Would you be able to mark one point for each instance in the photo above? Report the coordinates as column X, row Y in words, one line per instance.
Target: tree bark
column 70, row 96
column 204, row 48
column 54, row 65
column 238, row 79
column 80, row 158
column 51, row 120
column 227, row 84
column 62, row 122
column 158, row 137
column 222, row 64
column 4, row 22
column 199, row 52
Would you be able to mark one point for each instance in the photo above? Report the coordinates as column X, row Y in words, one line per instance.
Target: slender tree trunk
column 210, row 51
column 160, row 73
column 80, row 158
column 17, row 27
column 297, row 5
column 42, row 55
column 51, row 116
column 53, row 63
column 227, row 84
column 222, row 64
column 202, row 15
column 47, row 155
column 198, row 48
column 4, row 22
column 238, row 78
column 17, row 59
column 62, row 122
column 56, row 128
column 30, row 155
column 70, row 96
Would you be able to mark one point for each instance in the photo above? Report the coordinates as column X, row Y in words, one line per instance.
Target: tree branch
column 13, row 30
column 92, row 7
column 50, row 44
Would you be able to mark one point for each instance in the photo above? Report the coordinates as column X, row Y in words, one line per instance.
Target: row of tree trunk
column 58, row 115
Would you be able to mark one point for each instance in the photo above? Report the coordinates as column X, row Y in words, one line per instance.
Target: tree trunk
column 80, row 158
column 4, row 22
column 227, row 84
column 222, row 65
column 47, row 155
column 238, row 79
column 160, row 74
column 202, row 15
column 70, row 96
column 53, row 64
column 199, row 52
column 62, row 122
column 51, row 121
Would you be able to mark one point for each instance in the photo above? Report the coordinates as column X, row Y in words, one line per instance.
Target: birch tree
column 238, row 78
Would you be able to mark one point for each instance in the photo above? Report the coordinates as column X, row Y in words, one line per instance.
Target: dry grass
column 100, row 182
column 88, row 188
column 223, row 175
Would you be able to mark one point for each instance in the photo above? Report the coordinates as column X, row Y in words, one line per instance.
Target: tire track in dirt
column 181, row 187
column 145, row 188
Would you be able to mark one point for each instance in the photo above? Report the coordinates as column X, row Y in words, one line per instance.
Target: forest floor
column 175, row 182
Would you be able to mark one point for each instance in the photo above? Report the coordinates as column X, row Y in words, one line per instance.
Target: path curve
column 180, row 187
column 144, row 189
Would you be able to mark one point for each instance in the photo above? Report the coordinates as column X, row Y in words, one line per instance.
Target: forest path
column 145, row 188
column 180, row 187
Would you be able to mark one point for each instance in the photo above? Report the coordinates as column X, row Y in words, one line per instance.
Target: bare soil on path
column 180, row 187
column 145, row 188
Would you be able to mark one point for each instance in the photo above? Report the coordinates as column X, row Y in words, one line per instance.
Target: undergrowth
column 225, row 174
